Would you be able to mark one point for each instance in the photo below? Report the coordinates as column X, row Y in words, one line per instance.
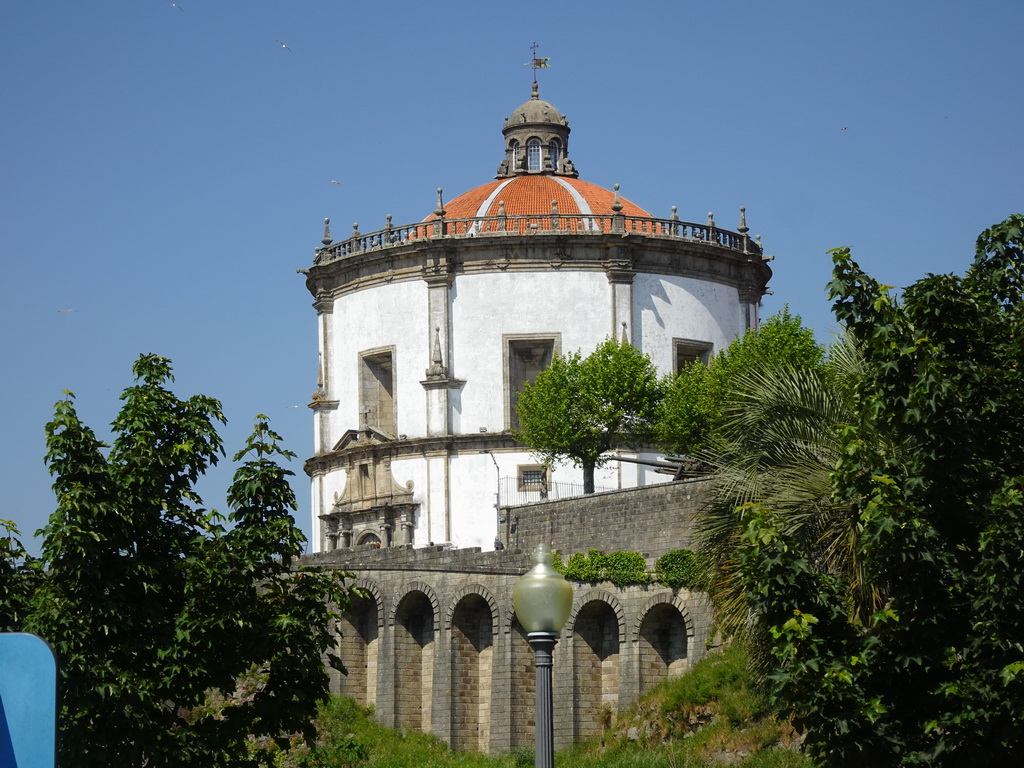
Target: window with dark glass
column 688, row 351
column 525, row 358
column 533, row 477
column 377, row 390
column 555, row 149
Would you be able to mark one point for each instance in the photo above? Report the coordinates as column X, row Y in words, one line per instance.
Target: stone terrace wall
column 652, row 520
column 438, row 648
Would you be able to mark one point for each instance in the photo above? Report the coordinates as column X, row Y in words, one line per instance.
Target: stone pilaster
column 620, row 273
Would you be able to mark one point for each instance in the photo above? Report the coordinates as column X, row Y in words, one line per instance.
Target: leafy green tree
column 691, row 414
column 936, row 675
column 579, row 408
column 20, row 574
column 156, row 608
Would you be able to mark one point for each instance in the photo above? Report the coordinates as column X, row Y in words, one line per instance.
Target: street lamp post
column 542, row 599
column 497, row 491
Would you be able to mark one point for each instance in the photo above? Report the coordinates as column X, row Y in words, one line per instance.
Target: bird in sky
column 67, row 310
column 283, row 46
column 335, row 181
column 174, row 5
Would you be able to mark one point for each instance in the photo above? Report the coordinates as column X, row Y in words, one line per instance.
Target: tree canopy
column 179, row 633
column 931, row 468
column 580, row 407
column 691, row 417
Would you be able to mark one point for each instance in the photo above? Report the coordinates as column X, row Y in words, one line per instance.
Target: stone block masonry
column 436, row 646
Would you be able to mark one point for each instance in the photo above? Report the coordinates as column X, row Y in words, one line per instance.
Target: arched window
column 533, row 155
column 555, row 149
column 517, row 154
column 370, row 538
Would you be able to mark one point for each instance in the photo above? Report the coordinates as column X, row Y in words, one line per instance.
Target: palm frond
column 777, row 448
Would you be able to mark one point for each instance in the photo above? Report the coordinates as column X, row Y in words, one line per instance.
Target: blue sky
column 167, row 168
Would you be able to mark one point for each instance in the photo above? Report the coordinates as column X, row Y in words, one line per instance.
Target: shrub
column 620, row 568
column 679, row 568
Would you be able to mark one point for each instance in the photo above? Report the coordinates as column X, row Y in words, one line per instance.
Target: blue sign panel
column 28, row 702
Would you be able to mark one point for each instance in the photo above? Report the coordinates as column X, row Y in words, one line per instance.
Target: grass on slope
column 710, row 716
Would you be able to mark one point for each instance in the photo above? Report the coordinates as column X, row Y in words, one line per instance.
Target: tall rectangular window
column 377, row 390
column 533, row 155
column 525, row 357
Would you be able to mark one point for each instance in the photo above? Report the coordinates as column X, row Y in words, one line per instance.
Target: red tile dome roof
column 532, row 195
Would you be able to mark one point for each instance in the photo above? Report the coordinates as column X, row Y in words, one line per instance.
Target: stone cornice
column 408, row 448
column 323, row 405
column 442, row 382
column 620, row 270
column 440, row 261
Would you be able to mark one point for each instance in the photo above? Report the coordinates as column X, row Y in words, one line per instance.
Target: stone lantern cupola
column 536, row 141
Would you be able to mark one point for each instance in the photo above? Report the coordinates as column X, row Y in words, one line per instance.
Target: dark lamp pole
column 542, row 599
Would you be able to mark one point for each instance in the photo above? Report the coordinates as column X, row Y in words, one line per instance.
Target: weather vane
column 536, row 63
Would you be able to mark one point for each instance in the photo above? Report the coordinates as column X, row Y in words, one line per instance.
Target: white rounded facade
column 428, row 331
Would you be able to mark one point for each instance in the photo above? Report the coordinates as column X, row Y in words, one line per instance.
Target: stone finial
column 554, row 207
column 437, row 369
column 355, row 229
column 757, row 239
column 618, row 220
column 319, row 393
column 743, row 229
column 711, row 220
column 439, row 212
column 327, row 233
column 625, row 339
column 501, row 208
column 673, row 227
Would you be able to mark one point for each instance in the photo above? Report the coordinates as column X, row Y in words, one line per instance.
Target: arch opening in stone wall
column 597, row 643
column 358, row 647
column 522, row 689
column 415, row 635
column 662, row 645
column 472, row 659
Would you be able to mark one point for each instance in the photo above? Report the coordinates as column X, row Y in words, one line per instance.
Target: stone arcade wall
column 436, row 646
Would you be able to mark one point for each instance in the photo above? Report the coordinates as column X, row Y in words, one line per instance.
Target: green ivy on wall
column 679, row 568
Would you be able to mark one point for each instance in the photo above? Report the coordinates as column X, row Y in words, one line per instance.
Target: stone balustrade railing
column 553, row 223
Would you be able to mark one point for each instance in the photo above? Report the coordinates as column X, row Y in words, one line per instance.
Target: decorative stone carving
column 439, row 267
column 372, row 503
column 437, row 368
